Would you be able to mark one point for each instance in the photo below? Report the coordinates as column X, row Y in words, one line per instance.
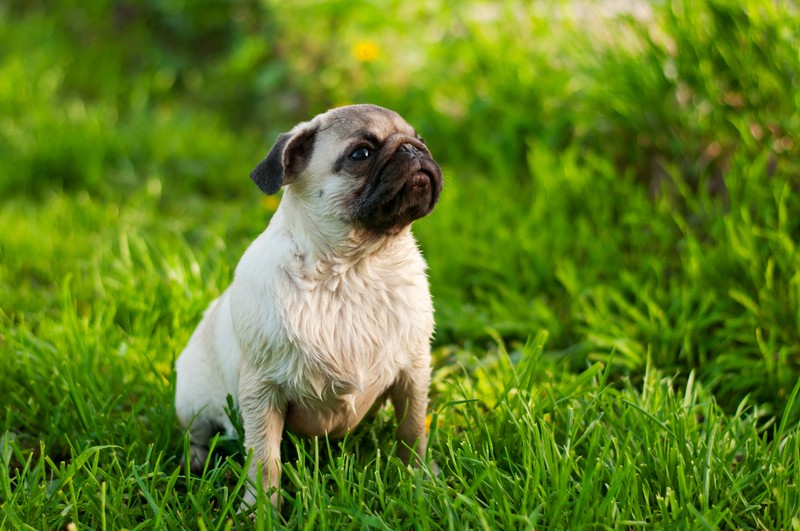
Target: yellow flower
column 162, row 368
column 366, row 51
column 270, row 202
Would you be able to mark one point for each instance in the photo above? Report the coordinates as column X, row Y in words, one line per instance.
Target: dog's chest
column 360, row 324
column 332, row 330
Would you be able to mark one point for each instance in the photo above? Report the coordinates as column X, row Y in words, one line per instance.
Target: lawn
column 614, row 259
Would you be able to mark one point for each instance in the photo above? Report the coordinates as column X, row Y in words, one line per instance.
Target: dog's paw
column 250, row 504
column 197, row 459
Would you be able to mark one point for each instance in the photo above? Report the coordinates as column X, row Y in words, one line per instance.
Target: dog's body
column 329, row 310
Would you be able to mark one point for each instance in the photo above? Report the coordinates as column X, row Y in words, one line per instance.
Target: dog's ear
column 286, row 160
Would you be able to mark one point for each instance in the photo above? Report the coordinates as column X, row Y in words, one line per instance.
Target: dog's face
column 361, row 165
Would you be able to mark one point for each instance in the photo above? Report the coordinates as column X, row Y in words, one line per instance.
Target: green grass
column 614, row 260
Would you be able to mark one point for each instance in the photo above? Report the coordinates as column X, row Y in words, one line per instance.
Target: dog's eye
column 361, row 153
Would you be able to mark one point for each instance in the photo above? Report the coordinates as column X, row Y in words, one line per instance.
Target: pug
column 329, row 311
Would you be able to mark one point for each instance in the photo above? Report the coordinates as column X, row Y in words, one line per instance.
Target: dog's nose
column 410, row 149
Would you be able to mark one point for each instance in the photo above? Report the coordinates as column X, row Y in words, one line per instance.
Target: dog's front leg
column 263, row 411
column 409, row 396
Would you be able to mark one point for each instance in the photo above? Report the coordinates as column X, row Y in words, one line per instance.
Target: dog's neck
column 333, row 241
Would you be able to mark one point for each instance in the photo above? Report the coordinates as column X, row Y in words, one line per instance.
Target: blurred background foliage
column 626, row 180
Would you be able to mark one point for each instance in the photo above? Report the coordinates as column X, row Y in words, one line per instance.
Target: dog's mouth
column 422, row 184
column 405, row 189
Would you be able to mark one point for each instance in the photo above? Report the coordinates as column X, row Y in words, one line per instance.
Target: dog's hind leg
column 199, row 399
column 194, row 416
column 202, row 429
column 200, row 433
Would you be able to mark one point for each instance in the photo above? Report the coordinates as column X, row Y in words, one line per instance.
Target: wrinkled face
column 363, row 164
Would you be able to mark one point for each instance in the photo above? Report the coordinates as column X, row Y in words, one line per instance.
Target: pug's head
column 361, row 165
